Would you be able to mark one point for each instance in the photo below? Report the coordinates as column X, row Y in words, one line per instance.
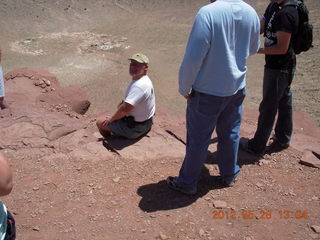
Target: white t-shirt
column 3, row 221
column 1, row 86
column 140, row 94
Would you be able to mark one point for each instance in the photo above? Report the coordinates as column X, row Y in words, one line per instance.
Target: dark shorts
column 128, row 128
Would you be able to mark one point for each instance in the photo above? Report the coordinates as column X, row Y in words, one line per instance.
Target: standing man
column 212, row 79
column 2, row 102
column 133, row 117
column 279, row 25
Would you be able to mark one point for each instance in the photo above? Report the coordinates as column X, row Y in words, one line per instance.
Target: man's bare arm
column 123, row 110
column 282, row 46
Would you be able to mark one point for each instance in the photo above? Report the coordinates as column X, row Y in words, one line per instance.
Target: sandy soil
column 61, row 196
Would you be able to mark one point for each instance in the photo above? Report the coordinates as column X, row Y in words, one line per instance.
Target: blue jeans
column 204, row 113
column 277, row 98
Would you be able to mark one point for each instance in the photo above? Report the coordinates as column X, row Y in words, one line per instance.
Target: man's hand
column 106, row 122
column 103, row 122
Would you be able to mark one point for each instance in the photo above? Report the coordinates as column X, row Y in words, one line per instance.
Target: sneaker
column 178, row 186
column 244, row 145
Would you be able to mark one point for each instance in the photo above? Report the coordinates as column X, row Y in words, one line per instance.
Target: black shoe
column 244, row 145
column 226, row 181
column 174, row 184
column 276, row 146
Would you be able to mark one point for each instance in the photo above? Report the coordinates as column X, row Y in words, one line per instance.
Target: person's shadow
column 244, row 158
column 116, row 143
column 158, row 196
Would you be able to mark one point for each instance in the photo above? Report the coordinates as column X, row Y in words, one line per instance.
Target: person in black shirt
column 279, row 26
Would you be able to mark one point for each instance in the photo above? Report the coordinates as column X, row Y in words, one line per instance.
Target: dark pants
column 277, row 98
column 128, row 128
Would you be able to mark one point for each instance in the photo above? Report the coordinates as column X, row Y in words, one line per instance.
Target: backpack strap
column 272, row 5
column 294, row 3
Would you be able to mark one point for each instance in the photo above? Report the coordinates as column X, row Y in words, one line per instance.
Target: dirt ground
column 63, row 196
column 88, row 43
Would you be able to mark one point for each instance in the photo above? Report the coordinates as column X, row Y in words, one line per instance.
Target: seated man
column 7, row 225
column 133, row 117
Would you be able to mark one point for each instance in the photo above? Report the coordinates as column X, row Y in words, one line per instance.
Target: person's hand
column 106, row 122
column 261, row 51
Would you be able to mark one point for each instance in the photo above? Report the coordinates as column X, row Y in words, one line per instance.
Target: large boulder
column 30, row 121
column 37, row 86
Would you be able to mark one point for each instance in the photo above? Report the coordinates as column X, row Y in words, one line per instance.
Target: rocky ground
column 70, row 184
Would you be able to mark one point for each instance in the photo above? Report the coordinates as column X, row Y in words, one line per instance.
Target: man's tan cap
column 139, row 57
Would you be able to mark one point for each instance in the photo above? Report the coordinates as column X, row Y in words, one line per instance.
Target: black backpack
column 302, row 41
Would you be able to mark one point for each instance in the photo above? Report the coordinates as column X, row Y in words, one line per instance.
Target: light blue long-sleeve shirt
column 224, row 34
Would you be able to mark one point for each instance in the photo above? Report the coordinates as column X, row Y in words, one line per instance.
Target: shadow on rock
column 244, row 158
column 118, row 143
column 158, row 196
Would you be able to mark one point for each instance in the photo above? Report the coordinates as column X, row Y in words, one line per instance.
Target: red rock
column 310, row 159
column 72, row 96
